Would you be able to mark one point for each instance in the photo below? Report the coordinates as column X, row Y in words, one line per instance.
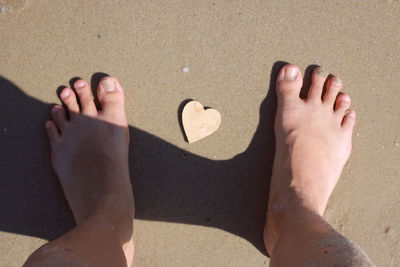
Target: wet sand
column 200, row 204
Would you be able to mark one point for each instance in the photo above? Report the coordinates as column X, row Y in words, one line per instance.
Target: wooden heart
column 199, row 122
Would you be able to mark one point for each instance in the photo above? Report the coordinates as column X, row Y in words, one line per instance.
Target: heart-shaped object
column 199, row 122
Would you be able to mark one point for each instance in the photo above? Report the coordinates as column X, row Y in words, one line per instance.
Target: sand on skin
column 230, row 48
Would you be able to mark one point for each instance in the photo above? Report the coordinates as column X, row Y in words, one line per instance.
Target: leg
column 313, row 142
column 90, row 157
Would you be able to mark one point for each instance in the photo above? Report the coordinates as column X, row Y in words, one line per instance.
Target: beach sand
column 200, row 204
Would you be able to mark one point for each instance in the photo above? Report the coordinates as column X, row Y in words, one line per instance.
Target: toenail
column 64, row 94
column 291, row 73
column 345, row 99
column 337, row 81
column 55, row 109
column 321, row 71
column 80, row 84
column 351, row 113
column 108, row 85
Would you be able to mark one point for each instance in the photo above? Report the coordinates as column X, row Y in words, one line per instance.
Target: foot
column 313, row 143
column 89, row 152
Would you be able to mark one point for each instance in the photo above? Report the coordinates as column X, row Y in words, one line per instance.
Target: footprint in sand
column 7, row 6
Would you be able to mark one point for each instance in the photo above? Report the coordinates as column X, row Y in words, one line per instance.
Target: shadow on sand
column 169, row 184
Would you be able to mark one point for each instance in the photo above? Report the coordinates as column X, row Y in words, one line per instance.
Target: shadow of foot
column 169, row 184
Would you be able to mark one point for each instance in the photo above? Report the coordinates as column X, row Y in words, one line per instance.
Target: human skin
column 313, row 143
column 89, row 152
column 90, row 157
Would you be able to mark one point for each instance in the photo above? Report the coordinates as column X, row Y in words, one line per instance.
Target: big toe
column 289, row 84
column 112, row 101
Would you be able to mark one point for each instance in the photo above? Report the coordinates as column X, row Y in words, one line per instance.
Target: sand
column 199, row 204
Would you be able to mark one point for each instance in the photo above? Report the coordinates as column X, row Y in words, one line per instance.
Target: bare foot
column 89, row 153
column 313, row 143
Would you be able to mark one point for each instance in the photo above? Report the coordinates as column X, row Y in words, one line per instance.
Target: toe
column 343, row 103
column 112, row 101
column 52, row 132
column 332, row 90
column 317, row 85
column 289, row 83
column 86, row 98
column 349, row 120
column 59, row 116
column 69, row 99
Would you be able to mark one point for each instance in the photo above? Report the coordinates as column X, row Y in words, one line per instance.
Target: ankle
column 120, row 224
column 293, row 204
column 119, row 229
column 287, row 209
column 298, row 191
